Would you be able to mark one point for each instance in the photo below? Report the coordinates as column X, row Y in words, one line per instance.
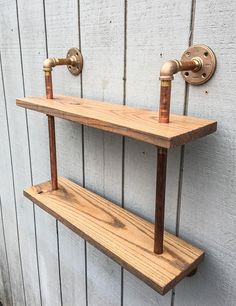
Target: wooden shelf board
column 121, row 235
column 141, row 124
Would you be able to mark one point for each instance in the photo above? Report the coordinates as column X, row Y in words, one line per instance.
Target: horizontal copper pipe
column 172, row 67
column 193, row 65
column 49, row 63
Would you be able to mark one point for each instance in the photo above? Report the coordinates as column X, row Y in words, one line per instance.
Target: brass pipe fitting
column 168, row 70
column 197, row 64
column 74, row 62
column 172, row 67
column 49, row 63
column 166, row 76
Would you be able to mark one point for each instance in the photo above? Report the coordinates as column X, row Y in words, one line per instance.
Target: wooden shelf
column 118, row 233
column 136, row 123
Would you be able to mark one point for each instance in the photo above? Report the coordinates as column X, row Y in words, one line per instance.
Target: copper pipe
column 166, row 76
column 48, row 84
column 51, row 133
column 160, row 200
column 165, row 95
column 74, row 61
column 53, row 156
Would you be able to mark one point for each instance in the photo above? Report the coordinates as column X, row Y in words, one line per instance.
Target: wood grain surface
column 137, row 123
column 120, row 234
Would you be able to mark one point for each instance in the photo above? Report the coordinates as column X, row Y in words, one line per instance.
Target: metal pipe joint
column 49, row 63
column 197, row 64
column 173, row 66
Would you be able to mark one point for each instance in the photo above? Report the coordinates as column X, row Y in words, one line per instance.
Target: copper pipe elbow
column 169, row 69
column 49, row 63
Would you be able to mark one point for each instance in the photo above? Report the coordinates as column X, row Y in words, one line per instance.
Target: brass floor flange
column 208, row 60
column 75, row 69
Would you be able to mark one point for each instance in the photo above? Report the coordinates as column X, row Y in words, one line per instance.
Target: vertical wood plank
column 153, row 36
column 102, row 46
column 64, row 21
column 17, row 213
column 208, row 194
column 5, row 285
column 33, row 53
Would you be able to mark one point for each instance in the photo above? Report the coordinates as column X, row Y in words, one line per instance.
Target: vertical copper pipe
column 51, row 132
column 160, row 200
column 48, row 84
column 53, row 157
column 164, row 112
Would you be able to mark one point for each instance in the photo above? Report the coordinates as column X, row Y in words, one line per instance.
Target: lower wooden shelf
column 118, row 233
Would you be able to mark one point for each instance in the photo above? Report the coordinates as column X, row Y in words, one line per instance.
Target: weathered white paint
column 40, row 259
column 33, row 53
column 209, row 187
column 102, row 79
column 18, row 215
column 5, row 286
column 149, row 24
column 64, row 21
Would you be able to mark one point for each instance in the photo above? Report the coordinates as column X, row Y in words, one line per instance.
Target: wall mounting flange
column 76, row 68
column 207, row 58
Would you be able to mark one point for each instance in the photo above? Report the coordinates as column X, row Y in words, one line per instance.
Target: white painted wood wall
column 124, row 44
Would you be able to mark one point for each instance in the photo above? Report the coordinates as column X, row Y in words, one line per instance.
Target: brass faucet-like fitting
column 166, row 76
column 168, row 70
column 49, row 63
column 198, row 64
column 73, row 61
column 173, row 66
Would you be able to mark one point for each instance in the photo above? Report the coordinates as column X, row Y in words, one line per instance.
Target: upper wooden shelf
column 141, row 124
column 121, row 235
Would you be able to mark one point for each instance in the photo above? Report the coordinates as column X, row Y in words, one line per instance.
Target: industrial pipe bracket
column 198, row 64
column 207, row 58
column 75, row 53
